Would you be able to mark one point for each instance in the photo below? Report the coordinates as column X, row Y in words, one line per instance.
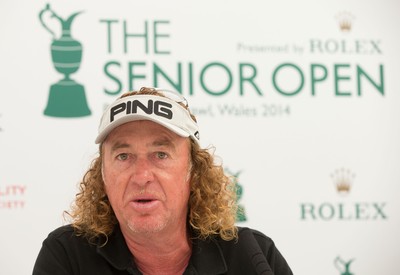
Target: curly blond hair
column 212, row 203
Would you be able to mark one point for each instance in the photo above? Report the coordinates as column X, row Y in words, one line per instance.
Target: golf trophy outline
column 66, row 97
column 343, row 266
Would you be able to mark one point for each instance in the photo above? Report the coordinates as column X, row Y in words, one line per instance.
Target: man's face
column 146, row 175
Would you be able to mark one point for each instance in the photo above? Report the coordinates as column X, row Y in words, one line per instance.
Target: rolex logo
column 343, row 210
column 345, row 20
column 343, row 180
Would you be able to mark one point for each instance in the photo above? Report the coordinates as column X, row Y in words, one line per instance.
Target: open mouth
column 144, row 201
column 145, row 204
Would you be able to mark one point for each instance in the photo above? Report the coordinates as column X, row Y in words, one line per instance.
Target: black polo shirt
column 65, row 253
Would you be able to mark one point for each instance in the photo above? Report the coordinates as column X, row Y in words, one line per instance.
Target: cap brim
column 135, row 117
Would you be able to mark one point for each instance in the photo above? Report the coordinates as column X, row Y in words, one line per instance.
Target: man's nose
column 142, row 171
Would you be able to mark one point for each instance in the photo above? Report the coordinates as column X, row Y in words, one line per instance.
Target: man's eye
column 161, row 155
column 123, row 156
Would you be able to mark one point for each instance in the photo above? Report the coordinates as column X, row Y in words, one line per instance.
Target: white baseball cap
column 165, row 110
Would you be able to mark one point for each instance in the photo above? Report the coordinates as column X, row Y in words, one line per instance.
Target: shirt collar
column 207, row 256
column 115, row 251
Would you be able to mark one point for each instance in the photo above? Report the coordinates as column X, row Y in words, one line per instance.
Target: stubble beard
column 147, row 227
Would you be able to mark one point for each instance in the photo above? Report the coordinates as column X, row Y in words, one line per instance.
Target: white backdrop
column 298, row 97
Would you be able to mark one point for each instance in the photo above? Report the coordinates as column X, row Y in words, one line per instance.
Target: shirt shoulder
column 260, row 237
column 264, row 242
column 66, row 231
column 64, row 252
column 68, row 239
column 254, row 251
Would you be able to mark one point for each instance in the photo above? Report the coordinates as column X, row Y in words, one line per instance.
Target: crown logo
column 343, row 180
column 345, row 20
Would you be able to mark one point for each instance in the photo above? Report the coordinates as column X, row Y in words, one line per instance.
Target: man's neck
column 158, row 253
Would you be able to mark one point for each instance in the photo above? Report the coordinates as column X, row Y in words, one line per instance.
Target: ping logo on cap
column 159, row 108
column 162, row 110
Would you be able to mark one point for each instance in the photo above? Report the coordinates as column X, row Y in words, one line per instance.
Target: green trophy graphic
column 343, row 266
column 66, row 97
column 240, row 214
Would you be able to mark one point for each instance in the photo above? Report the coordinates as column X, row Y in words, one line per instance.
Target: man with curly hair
column 155, row 202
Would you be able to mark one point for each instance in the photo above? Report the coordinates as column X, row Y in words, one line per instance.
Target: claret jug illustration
column 66, row 97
